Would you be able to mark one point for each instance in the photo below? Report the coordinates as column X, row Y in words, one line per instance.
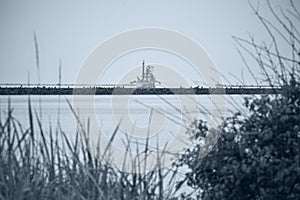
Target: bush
column 257, row 155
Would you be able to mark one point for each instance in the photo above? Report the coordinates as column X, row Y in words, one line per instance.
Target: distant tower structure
column 59, row 74
column 147, row 80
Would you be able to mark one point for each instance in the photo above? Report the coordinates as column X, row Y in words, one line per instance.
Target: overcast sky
column 70, row 30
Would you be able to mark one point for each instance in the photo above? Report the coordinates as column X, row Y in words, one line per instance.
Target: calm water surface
column 169, row 113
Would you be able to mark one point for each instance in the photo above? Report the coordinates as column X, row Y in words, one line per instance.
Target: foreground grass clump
column 54, row 167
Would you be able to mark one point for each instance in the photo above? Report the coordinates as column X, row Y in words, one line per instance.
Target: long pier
column 94, row 90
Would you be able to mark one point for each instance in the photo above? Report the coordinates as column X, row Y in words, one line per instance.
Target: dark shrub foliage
column 256, row 157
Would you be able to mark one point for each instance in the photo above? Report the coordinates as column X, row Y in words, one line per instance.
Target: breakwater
column 136, row 91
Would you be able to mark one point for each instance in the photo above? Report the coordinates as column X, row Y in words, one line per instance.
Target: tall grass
column 36, row 165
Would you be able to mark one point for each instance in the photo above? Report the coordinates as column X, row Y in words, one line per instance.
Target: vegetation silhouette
column 257, row 156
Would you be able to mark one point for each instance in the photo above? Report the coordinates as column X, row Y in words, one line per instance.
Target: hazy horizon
column 70, row 30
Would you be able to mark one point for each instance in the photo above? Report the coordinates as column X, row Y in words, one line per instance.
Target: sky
column 70, row 30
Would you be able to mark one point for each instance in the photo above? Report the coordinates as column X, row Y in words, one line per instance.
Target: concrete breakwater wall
column 134, row 91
